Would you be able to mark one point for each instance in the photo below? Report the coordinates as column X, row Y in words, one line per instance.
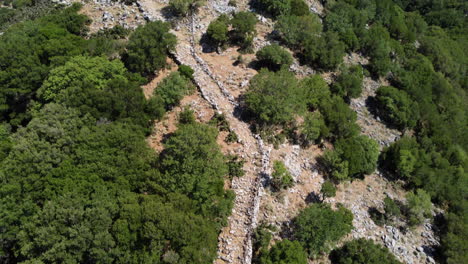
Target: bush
column 275, row 97
column 243, row 29
column 186, row 71
column 281, row 178
column 148, row 47
column 274, row 57
column 182, row 7
column 285, row 252
column 328, row 189
column 396, row 107
column 325, row 52
column 392, row 209
column 313, row 128
column 235, row 166
column 349, row 82
column 295, row 30
column 419, row 206
column 362, row 251
column 187, row 116
column 218, row 32
column 335, row 167
column 361, row 152
column 318, row 227
column 172, row 89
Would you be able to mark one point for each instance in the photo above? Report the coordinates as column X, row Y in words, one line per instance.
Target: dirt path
column 235, row 245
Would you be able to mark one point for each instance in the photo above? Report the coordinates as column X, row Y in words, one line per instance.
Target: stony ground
column 220, row 83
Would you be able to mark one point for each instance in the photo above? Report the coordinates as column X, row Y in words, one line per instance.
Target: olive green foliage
column 218, row 31
column 362, row 251
column 148, row 47
column 278, row 8
column 280, row 177
column 396, row 107
column 187, row 116
column 325, row 52
column 172, row 89
column 340, row 119
column 335, row 167
column 232, row 137
column 295, row 30
column 37, row 47
column 349, row 82
column 392, row 208
column 419, row 206
column 318, row 227
column 285, row 252
column 183, row 7
column 352, row 157
column 361, row 152
column 235, row 166
column 186, row 71
column 79, row 181
column 99, row 87
column 274, row 98
column 274, row 57
column 328, row 189
column 313, row 128
column 243, row 29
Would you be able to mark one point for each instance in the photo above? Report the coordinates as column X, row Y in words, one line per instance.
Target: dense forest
column 79, row 184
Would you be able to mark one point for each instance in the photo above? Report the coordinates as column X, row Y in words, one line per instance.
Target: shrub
column 328, row 189
column 396, row 107
column 172, row 89
column 148, row 47
column 281, row 178
column 285, row 252
column 362, row 251
column 419, row 206
column 186, row 71
column 318, row 227
column 361, row 152
column 182, row 7
column 349, row 82
column 275, row 97
column 218, row 32
column 274, row 57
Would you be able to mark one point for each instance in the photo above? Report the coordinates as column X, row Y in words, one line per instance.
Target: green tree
column 172, row 89
column 281, row 177
column 326, row 52
column 396, row 107
column 148, row 48
column 361, row 152
column 328, row 189
column 318, row 227
column 313, row 127
column 218, row 32
column 243, row 28
column 274, row 57
column 419, row 206
column 362, row 251
column 349, row 83
column 285, row 252
column 274, row 97
column 335, row 167
column 340, row 119
column 78, row 71
column 182, row 7
column 295, row 30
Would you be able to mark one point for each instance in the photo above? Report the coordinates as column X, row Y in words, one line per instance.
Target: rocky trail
column 235, row 245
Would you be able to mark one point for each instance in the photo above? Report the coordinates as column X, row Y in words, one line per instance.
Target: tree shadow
column 313, row 197
column 207, row 44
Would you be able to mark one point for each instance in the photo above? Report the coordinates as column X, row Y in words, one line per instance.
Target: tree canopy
column 318, row 227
